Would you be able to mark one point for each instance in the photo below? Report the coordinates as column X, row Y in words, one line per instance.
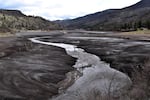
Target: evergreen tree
column 135, row 26
column 148, row 24
column 139, row 25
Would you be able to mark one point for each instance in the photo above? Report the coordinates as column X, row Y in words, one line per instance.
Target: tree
column 139, row 24
column 148, row 24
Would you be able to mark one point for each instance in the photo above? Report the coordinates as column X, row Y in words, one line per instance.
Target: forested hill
column 129, row 18
column 14, row 20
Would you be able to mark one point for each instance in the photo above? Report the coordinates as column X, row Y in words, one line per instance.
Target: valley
column 25, row 64
column 100, row 56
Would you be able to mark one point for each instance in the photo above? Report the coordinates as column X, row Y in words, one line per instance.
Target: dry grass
column 141, row 83
column 137, row 32
column 5, row 34
column 95, row 94
column 140, row 89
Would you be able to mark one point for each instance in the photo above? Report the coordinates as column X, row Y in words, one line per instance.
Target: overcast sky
column 63, row 9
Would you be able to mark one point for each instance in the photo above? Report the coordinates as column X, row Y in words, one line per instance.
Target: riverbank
column 31, row 71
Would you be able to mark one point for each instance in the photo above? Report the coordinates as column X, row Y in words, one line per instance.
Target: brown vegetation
column 11, row 21
column 141, row 83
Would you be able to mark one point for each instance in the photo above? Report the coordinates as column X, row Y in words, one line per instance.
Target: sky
column 63, row 9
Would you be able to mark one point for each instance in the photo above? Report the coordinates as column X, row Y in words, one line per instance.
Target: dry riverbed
column 31, row 71
column 129, row 54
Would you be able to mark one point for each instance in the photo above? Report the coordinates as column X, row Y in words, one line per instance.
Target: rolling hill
column 125, row 19
column 14, row 20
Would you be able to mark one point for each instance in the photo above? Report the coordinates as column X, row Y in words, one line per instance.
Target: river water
column 98, row 81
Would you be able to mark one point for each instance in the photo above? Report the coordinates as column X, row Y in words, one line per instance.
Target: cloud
column 63, row 9
column 10, row 4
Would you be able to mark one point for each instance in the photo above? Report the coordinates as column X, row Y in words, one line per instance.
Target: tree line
column 135, row 25
column 124, row 26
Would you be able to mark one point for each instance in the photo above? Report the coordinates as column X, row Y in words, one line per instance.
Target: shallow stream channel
column 97, row 80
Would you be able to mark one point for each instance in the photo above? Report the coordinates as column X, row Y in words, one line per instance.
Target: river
column 98, row 80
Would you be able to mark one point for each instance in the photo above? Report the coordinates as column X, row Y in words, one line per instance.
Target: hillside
column 129, row 18
column 14, row 20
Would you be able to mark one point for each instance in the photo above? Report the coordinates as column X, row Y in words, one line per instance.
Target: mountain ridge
column 123, row 19
column 15, row 20
column 12, row 12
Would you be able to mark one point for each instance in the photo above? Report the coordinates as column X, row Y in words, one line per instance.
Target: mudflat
column 31, row 71
column 124, row 52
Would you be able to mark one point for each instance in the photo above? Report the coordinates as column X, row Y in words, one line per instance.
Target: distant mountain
column 141, row 4
column 129, row 18
column 14, row 20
